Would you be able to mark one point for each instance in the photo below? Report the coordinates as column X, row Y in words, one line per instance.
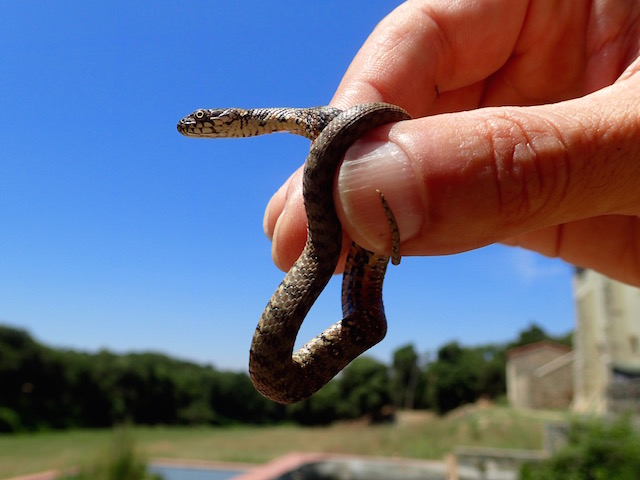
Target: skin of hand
column 526, row 131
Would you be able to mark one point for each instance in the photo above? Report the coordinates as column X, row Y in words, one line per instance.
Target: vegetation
column 45, row 388
column 121, row 462
column 596, row 450
column 414, row 435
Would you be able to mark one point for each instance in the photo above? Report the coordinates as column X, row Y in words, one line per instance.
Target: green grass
column 121, row 461
column 418, row 436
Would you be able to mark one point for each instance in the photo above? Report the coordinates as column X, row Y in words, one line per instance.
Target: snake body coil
column 277, row 372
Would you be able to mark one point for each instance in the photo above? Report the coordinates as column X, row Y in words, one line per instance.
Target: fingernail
column 266, row 220
column 384, row 166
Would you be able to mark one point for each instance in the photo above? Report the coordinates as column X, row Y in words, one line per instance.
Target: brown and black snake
column 277, row 372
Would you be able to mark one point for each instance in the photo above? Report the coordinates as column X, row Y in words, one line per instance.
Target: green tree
column 535, row 333
column 235, row 400
column 406, row 375
column 492, row 364
column 453, row 378
column 321, row 408
column 194, row 388
column 49, row 388
column 364, row 389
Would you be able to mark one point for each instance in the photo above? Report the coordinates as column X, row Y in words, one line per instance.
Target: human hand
column 543, row 152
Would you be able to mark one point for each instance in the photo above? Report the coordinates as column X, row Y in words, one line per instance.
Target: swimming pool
column 181, row 473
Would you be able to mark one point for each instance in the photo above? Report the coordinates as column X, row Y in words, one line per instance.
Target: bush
column 9, row 421
column 596, row 450
column 121, row 462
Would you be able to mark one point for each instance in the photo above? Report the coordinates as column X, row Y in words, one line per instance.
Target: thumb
column 464, row 180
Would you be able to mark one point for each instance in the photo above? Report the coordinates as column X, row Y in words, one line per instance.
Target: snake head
column 213, row 123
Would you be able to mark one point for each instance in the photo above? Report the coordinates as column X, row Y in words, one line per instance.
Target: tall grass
column 121, row 461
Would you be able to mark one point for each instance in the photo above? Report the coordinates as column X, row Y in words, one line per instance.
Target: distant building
column 540, row 375
column 607, row 344
column 602, row 373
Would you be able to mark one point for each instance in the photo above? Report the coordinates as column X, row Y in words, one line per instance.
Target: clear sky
column 116, row 232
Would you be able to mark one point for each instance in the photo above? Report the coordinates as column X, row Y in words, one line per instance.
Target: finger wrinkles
column 530, row 165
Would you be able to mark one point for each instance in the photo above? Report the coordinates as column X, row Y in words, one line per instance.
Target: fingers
column 434, row 56
column 426, row 48
column 285, row 224
column 461, row 181
column 398, row 64
column 540, row 177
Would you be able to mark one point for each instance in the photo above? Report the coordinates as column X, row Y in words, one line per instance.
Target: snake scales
column 277, row 372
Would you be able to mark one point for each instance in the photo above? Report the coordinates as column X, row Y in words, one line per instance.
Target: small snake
column 277, row 372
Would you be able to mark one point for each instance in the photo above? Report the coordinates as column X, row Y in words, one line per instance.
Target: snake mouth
column 193, row 127
column 186, row 125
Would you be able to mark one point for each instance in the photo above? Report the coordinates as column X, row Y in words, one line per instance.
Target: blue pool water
column 177, row 473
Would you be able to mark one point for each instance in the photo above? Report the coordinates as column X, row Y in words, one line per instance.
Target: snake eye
column 199, row 114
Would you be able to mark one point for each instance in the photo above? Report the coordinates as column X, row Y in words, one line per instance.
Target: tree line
column 48, row 388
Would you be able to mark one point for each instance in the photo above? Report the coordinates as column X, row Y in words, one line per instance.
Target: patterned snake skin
column 277, row 372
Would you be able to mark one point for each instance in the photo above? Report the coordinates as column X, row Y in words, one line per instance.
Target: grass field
column 416, row 435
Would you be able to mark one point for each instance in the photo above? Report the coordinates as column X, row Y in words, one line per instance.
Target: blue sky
column 117, row 232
